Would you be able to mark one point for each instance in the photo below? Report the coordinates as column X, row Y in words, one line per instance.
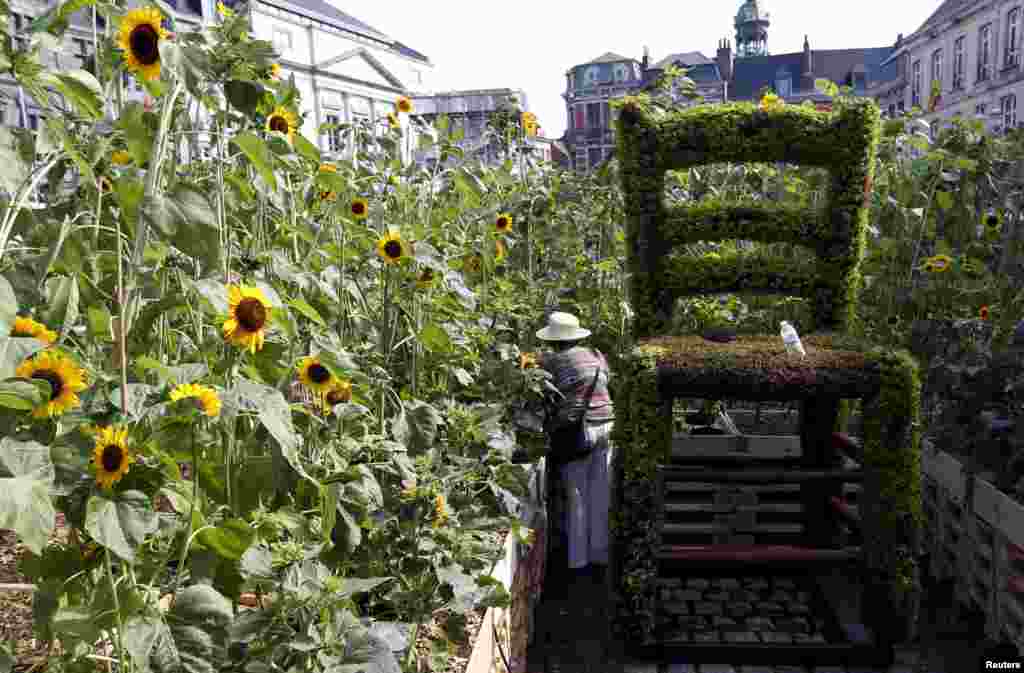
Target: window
column 985, row 52
column 594, row 157
column 580, row 124
column 899, row 106
column 334, row 143
column 1008, row 106
column 783, row 87
column 19, row 28
column 892, row 109
column 958, row 63
column 1012, row 27
column 979, row 109
column 937, row 66
column 593, row 115
column 80, row 55
column 915, row 85
column 33, row 121
column 282, row 40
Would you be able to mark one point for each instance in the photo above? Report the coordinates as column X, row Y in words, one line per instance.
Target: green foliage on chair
column 843, row 142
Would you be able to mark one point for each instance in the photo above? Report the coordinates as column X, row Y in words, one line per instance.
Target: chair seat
column 759, row 367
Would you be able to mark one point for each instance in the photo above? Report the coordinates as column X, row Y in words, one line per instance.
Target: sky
column 482, row 44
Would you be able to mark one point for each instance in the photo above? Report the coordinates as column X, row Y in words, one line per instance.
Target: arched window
column 783, row 83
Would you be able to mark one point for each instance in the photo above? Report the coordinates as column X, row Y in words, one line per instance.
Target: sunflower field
column 247, row 375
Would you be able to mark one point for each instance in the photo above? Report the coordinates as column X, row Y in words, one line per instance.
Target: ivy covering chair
column 836, row 368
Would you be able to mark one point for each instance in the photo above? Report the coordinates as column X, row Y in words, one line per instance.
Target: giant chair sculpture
column 836, row 368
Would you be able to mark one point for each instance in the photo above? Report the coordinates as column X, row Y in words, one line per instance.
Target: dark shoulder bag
column 569, row 442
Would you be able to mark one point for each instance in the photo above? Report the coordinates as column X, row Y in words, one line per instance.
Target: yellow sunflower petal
column 392, row 248
column 139, row 38
column 248, row 317
column 66, row 379
column 283, row 120
column 315, row 375
column 111, row 456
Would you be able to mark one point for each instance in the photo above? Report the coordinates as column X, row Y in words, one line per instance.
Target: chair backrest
column 844, row 142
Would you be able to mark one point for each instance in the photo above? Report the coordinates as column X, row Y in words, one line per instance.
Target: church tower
column 752, row 23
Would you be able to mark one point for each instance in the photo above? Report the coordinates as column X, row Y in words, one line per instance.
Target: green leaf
column 276, row 416
column 303, row 307
column 243, row 95
column 435, row 339
column 215, row 292
column 62, row 300
column 129, row 193
column 141, row 635
column 99, row 323
column 423, row 421
column 121, row 525
column 25, row 504
column 23, row 395
column 306, row 149
column 944, row 199
column 137, row 395
column 83, row 90
column 200, row 620
column 7, row 660
column 14, row 351
column 256, row 151
column 186, row 219
column 8, row 306
column 229, row 540
column 349, row 534
column 13, row 168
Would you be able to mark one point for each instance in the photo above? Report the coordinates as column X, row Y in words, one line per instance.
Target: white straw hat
column 562, row 327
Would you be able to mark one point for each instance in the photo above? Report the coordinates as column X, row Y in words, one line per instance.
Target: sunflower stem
column 120, row 618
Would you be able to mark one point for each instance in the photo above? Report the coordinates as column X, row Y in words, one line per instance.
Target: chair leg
column 817, row 420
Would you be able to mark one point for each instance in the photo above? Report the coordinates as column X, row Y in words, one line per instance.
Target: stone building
column 344, row 69
column 968, row 53
column 470, row 110
column 741, row 75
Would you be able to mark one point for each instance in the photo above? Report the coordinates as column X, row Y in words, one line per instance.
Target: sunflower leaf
column 121, row 525
column 243, row 95
column 8, row 306
column 275, row 414
column 303, row 307
column 23, row 395
column 306, row 149
column 25, row 503
column 200, row 622
column 137, row 394
column 435, row 339
column 14, row 351
column 229, row 540
column 256, row 151
column 62, row 297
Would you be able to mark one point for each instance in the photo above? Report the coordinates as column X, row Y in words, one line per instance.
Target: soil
column 16, row 609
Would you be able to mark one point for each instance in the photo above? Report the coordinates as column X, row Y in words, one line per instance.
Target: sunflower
column 992, row 219
column 66, row 379
column 425, row 278
column 503, row 224
column 104, row 185
column 27, row 327
column 393, row 120
column 771, row 102
column 283, row 120
column 275, row 70
column 938, row 264
column 224, row 10
column 360, row 208
column 440, row 511
column 120, row 158
column 315, row 375
column 472, row 263
column 206, row 399
column 328, row 168
column 139, row 39
column 248, row 317
column 983, row 312
column 392, row 248
column 404, row 104
column 340, row 391
column 111, row 456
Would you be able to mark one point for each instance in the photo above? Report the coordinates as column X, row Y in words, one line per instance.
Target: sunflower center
column 112, row 457
column 358, row 208
column 251, row 314
column 393, row 249
column 992, row 220
column 54, row 379
column 318, row 373
column 144, row 42
column 279, row 124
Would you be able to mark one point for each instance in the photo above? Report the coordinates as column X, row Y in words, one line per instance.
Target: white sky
column 480, row 44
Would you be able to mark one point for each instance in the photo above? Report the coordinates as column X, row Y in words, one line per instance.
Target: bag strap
column 590, row 392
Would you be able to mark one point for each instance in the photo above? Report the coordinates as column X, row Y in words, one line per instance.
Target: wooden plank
column 776, row 508
column 765, row 476
column 710, row 528
column 704, row 487
column 756, row 553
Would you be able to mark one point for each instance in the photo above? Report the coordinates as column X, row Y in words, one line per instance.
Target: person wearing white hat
column 585, row 454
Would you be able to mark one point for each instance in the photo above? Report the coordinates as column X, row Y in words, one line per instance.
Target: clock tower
column 752, row 23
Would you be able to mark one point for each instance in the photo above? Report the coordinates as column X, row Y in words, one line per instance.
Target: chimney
column 647, row 58
column 806, row 67
column 724, row 59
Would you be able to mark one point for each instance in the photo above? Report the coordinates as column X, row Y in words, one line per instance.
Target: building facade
column 471, row 110
column 344, row 69
column 964, row 60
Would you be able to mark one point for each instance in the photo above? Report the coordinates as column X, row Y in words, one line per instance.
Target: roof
column 946, row 11
column 750, row 74
column 339, row 19
column 685, row 58
column 704, row 73
column 608, row 57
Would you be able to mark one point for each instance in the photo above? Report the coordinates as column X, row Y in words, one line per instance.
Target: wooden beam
column 763, row 476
